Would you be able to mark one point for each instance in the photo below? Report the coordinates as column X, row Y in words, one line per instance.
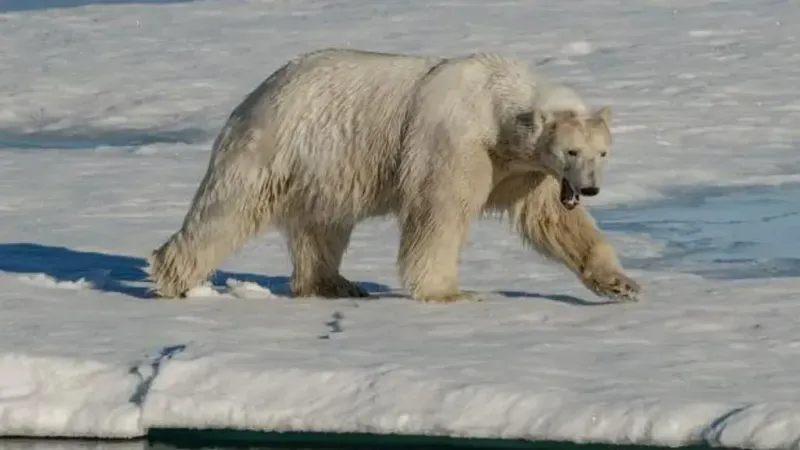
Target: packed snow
column 106, row 120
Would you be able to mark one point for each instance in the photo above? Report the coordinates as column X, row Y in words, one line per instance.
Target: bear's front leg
column 573, row 237
column 430, row 246
column 602, row 274
column 568, row 236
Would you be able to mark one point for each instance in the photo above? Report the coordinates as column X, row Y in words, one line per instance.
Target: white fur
column 552, row 96
column 338, row 136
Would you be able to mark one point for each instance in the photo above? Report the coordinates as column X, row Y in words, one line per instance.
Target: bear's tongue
column 569, row 198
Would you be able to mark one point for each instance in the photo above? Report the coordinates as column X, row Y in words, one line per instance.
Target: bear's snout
column 590, row 191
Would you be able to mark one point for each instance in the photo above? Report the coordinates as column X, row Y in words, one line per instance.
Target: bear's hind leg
column 225, row 213
column 317, row 251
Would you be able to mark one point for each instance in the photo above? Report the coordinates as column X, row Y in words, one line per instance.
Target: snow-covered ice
column 106, row 119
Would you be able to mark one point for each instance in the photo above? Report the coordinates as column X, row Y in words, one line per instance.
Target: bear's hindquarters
column 234, row 202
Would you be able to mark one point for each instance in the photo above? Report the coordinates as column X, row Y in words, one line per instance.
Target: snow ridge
column 175, row 390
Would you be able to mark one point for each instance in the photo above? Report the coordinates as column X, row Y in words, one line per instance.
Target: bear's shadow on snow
column 118, row 273
column 560, row 298
column 125, row 275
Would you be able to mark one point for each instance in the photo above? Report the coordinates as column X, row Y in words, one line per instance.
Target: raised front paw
column 614, row 285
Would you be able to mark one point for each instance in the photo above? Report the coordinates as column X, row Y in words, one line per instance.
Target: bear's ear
column 603, row 115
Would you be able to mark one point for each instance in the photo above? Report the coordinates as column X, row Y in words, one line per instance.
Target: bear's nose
column 590, row 191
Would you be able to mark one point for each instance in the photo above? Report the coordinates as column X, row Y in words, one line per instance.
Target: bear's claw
column 615, row 286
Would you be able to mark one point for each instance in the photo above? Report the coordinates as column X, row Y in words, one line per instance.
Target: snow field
column 105, row 123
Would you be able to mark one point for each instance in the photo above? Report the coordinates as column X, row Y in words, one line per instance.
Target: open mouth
column 569, row 198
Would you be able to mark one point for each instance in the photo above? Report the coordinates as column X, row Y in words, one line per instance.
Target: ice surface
column 74, row 444
column 106, row 119
column 722, row 232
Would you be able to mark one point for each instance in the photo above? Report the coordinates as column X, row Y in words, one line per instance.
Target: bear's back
column 351, row 100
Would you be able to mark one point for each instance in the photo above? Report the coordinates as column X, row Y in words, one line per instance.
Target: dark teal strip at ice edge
column 231, row 438
column 228, row 439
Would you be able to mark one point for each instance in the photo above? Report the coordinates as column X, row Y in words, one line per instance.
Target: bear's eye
column 572, row 152
column 603, row 154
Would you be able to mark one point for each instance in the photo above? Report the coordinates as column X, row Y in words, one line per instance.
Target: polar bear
column 337, row 136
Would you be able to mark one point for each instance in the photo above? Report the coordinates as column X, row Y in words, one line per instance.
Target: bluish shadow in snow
column 116, row 273
column 153, row 366
column 29, row 5
column 720, row 232
column 560, row 298
column 92, row 139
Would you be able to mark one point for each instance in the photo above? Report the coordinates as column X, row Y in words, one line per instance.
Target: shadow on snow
column 126, row 274
column 89, row 138
column 117, row 273
column 30, row 5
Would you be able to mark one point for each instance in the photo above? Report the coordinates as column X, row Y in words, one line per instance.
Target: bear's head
column 569, row 146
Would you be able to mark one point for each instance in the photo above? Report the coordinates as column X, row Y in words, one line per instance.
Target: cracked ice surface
column 106, row 118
